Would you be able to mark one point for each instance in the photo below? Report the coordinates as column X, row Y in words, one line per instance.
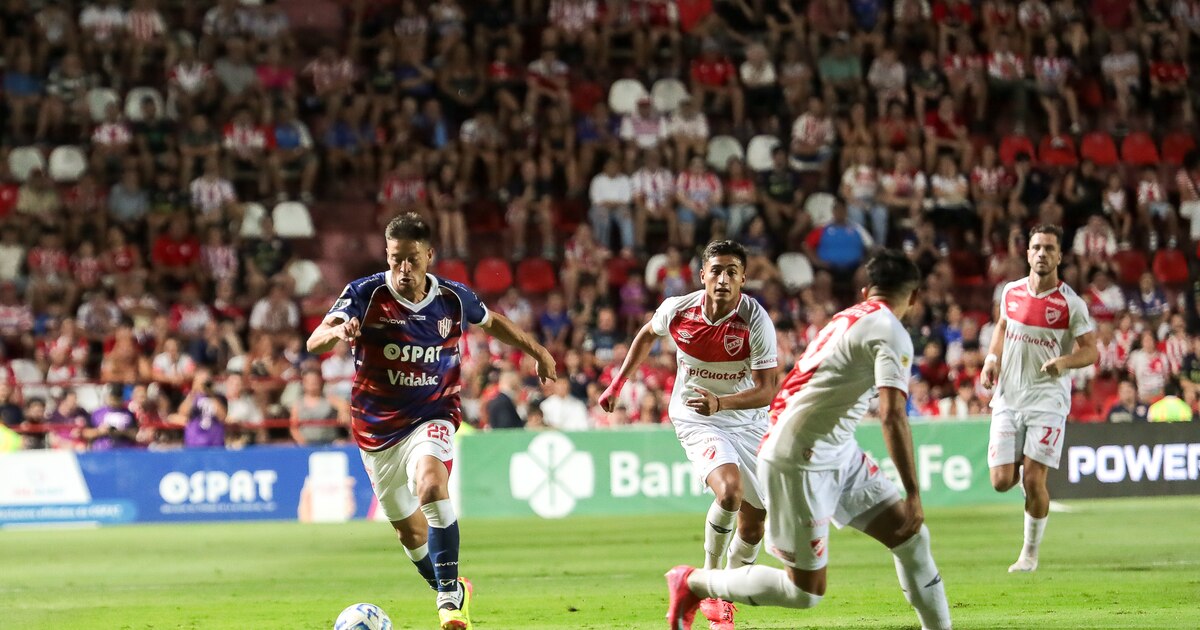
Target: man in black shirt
column 1127, row 408
column 502, row 409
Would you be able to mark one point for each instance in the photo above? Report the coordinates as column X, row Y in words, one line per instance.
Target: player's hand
column 987, row 376
column 348, row 331
column 608, row 400
column 705, row 403
column 546, row 369
column 1053, row 367
column 914, row 517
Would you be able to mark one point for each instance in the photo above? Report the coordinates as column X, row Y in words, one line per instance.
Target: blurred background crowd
column 185, row 186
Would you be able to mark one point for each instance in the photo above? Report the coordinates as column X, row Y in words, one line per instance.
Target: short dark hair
column 725, row 248
column 408, row 227
column 1046, row 228
column 891, row 272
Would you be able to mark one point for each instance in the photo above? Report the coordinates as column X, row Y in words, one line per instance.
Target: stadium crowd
column 137, row 310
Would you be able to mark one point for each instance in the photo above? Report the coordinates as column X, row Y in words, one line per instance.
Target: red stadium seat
column 1013, row 144
column 1138, row 150
column 1131, row 264
column 1057, row 151
column 1176, row 145
column 536, row 276
column 452, row 269
column 493, row 276
column 1100, row 148
column 1170, row 267
column 1084, row 408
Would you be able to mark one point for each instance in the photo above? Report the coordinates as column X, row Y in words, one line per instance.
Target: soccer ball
column 363, row 617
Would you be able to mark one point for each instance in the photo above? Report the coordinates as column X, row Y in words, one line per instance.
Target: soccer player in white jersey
column 816, row 474
column 1044, row 332
column 726, row 378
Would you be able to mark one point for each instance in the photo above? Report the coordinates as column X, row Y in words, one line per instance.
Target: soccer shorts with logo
column 1037, row 435
column 708, row 447
column 392, row 470
column 802, row 503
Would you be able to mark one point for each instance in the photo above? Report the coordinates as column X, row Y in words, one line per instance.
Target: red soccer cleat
column 682, row 602
column 719, row 613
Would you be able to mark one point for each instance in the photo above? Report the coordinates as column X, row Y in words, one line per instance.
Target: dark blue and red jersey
column 407, row 355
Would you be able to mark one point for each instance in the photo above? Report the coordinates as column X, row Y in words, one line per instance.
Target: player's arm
column 897, row 435
column 766, row 384
column 1086, row 353
column 991, row 365
column 507, row 333
column 638, row 351
column 333, row 328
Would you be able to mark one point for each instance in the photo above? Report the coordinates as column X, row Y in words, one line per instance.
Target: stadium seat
column 1170, row 267
column 653, row 266
column 667, row 93
column 1100, row 148
column 624, row 95
column 1137, row 149
column 91, row 397
column 720, row 149
column 618, row 269
column 26, row 371
column 1013, row 144
column 493, row 276
column 252, row 216
column 98, row 100
column 1057, row 151
column 796, row 271
column 1176, row 145
column 292, row 220
column 306, row 275
column 133, row 102
column 67, row 164
column 23, row 160
column 452, row 269
column 819, row 207
column 536, row 276
column 1131, row 264
column 758, row 152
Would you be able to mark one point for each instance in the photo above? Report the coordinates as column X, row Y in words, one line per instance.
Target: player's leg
column 743, row 548
column 1042, row 451
column 1005, row 443
column 389, row 479
column 726, row 483
column 413, row 533
column 431, row 487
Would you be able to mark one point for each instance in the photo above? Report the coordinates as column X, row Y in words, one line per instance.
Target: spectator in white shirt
column 860, row 189
column 642, row 130
column 611, row 195
column 564, row 412
column 653, row 197
column 688, row 128
column 338, row 371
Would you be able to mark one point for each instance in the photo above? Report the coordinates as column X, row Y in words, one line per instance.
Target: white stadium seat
column 758, row 152
column 67, row 164
column 23, row 160
column 819, row 206
column 98, row 100
column 796, row 270
column 26, row 371
column 720, row 149
column 306, row 274
column 292, row 220
column 252, row 216
column 667, row 93
column 624, row 95
column 91, row 397
column 656, row 263
column 133, row 102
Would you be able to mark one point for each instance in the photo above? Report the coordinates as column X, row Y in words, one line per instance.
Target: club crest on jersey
column 1052, row 315
column 733, row 343
column 444, row 325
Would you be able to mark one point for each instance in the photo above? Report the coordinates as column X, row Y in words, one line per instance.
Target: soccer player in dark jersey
column 405, row 325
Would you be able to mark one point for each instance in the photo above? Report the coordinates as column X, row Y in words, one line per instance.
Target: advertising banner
column 1123, row 460
column 309, row 484
column 552, row 475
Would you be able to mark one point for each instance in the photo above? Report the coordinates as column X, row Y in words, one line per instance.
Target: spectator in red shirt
column 175, row 256
column 945, row 129
column 695, row 16
column 1169, row 83
column 547, row 78
column 49, row 271
column 953, row 19
column 714, row 76
column 247, row 149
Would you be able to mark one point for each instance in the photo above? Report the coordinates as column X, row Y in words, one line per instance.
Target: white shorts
column 708, row 447
column 802, row 503
column 1037, row 435
column 392, row 470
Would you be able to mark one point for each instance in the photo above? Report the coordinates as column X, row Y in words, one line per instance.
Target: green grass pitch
column 1131, row 563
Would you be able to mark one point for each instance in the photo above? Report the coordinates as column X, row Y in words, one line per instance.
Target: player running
column 1040, row 319
column 726, row 377
column 815, row 473
column 405, row 325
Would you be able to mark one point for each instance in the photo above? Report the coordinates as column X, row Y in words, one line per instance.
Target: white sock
column 1034, row 528
column 717, row 530
column 439, row 514
column 418, row 554
column 754, row 585
column 921, row 582
column 741, row 553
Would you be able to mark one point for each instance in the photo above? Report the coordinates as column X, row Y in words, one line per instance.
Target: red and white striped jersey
column 190, row 77
column 657, row 188
column 1150, row 192
column 705, row 187
column 825, row 396
column 112, row 134
column 1176, row 347
column 1038, row 327
column 145, row 26
column 717, row 356
column 210, row 195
